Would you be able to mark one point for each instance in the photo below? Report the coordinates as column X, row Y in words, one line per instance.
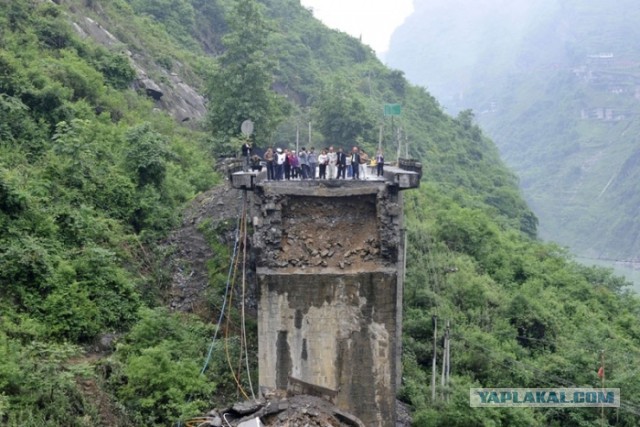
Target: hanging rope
column 224, row 300
column 244, row 329
column 232, row 262
column 233, row 282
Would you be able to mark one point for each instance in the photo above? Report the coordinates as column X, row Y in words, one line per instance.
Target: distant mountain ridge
column 557, row 86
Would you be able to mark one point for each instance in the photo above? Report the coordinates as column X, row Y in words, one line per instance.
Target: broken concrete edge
column 254, row 422
column 348, row 418
column 403, row 179
column 332, row 188
column 264, row 271
column 297, row 386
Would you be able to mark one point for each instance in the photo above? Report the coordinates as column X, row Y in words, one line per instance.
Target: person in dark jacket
column 246, row 154
column 313, row 162
column 303, row 159
column 271, row 168
column 341, row 161
column 380, row 163
column 256, row 165
column 355, row 162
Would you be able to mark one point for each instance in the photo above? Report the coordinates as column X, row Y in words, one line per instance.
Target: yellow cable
column 243, row 236
column 226, row 341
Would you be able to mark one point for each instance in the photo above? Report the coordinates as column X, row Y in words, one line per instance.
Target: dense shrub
column 157, row 371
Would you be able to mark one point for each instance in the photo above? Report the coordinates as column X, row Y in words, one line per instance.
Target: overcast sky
column 373, row 20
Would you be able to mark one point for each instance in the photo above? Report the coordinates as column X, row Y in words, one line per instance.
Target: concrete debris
column 281, row 411
column 351, row 229
column 247, row 407
column 255, row 422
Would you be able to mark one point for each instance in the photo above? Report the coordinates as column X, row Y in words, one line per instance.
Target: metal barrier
column 412, row 165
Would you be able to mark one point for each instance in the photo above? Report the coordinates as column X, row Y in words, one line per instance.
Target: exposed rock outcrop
column 169, row 91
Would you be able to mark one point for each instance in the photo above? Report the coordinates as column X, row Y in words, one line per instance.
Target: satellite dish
column 246, row 128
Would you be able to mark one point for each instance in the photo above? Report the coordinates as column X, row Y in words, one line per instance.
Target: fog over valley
column 556, row 84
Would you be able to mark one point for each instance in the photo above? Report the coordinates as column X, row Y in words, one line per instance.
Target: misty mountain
column 556, row 84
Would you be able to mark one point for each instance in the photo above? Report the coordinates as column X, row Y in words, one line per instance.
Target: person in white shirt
column 323, row 160
column 332, row 157
column 364, row 161
column 280, row 157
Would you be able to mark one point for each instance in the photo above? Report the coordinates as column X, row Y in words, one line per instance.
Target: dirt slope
column 191, row 252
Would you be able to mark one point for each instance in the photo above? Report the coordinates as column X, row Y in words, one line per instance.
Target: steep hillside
column 556, row 85
column 99, row 323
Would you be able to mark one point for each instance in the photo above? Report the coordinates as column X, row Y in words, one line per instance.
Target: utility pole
column 444, row 362
column 393, row 110
column 393, row 131
column 399, row 141
column 406, row 146
column 433, row 363
column 404, row 257
column 447, row 375
column 309, row 110
column 444, row 380
column 602, row 378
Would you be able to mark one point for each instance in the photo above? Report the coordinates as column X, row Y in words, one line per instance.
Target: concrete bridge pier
column 329, row 268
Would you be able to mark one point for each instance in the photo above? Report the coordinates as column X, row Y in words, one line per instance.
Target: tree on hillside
column 343, row 117
column 240, row 87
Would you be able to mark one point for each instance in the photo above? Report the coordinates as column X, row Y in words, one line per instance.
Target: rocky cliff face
column 169, row 91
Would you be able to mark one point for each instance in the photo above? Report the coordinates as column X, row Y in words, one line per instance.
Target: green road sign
column 392, row 109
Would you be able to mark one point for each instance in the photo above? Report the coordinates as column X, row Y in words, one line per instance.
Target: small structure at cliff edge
column 330, row 279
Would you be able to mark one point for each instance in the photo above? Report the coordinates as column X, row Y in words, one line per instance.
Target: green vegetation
column 239, row 88
column 92, row 179
column 157, row 369
column 523, row 314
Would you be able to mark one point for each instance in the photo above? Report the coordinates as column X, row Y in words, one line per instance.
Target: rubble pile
column 312, row 232
column 279, row 411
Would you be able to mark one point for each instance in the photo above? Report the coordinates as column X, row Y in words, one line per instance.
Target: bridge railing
column 412, row 165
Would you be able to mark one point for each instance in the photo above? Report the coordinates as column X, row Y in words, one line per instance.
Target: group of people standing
column 329, row 164
column 287, row 164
